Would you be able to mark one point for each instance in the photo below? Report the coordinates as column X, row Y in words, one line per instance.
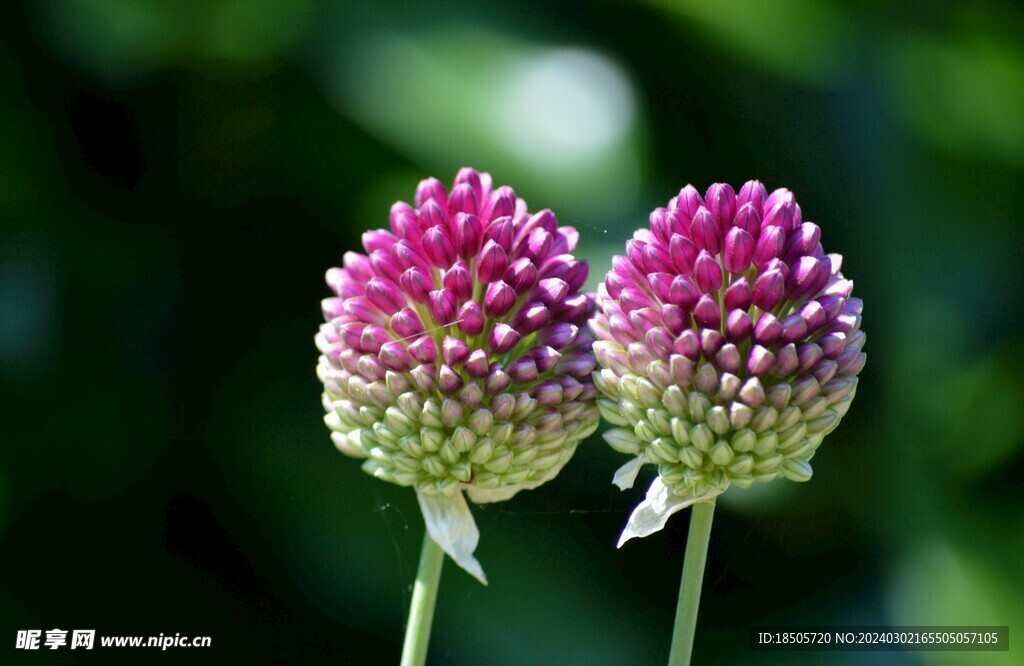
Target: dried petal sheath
column 729, row 346
column 455, row 354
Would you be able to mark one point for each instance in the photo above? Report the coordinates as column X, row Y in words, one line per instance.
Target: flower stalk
column 424, row 599
column 685, row 628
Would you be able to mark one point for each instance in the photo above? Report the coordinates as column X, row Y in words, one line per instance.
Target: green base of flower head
column 741, row 434
column 438, row 444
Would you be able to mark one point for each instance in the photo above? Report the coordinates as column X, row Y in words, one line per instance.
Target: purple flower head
column 455, row 354
column 729, row 346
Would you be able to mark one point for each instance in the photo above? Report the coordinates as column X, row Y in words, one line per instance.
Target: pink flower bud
column 501, row 232
column 463, row 199
column 721, row 201
column 468, row 232
column 502, row 203
column 386, row 295
column 438, row 246
column 521, row 275
column 442, row 306
column 739, row 250
column 752, row 192
column 417, row 283
column 499, row 299
column 431, row 188
column 471, row 318
column 769, row 246
column 769, row 289
column 707, row 273
column 457, row 280
column 705, row 232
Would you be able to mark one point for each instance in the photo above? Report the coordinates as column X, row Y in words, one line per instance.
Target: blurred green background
column 175, row 177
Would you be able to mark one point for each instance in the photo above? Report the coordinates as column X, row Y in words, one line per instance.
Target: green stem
column 424, row 597
column 689, row 587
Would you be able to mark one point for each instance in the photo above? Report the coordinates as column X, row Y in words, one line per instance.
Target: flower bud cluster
column 729, row 342
column 455, row 352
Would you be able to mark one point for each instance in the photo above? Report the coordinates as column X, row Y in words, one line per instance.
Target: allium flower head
column 729, row 346
column 455, row 356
